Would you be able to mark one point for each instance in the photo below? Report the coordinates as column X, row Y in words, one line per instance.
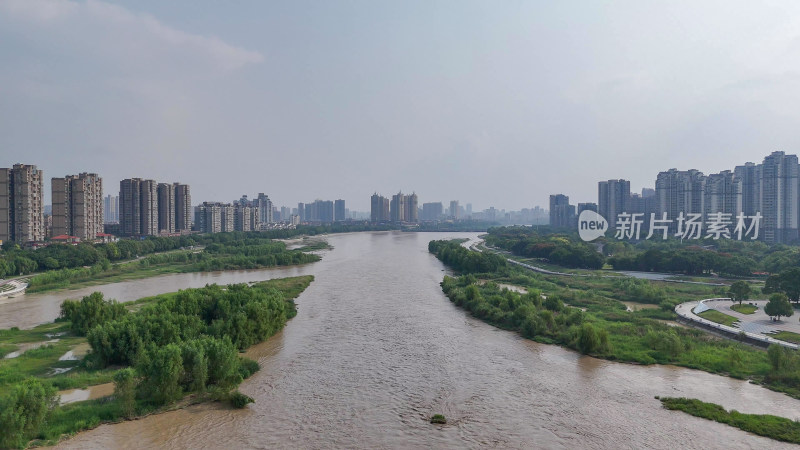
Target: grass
column 787, row 336
column 773, row 427
column 718, row 317
column 744, row 308
column 39, row 363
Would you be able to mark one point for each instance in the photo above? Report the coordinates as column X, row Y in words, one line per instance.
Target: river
column 376, row 349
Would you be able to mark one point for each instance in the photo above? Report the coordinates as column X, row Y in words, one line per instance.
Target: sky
column 491, row 103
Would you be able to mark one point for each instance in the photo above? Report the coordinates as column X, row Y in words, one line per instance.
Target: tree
column 23, row 410
column 163, row 370
column 790, row 283
column 588, row 340
column 125, row 391
column 739, row 291
column 778, row 306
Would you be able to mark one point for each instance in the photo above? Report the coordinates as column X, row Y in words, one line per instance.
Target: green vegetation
column 438, row 418
column 459, row 258
column 739, row 291
column 158, row 352
column 774, row 427
column 718, row 317
column 558, row 249
column 745, row 309
column 223, row 251
column 786, row 282
column 702, row 257
column 778, row 306
column 787, row 336
column 585, row 314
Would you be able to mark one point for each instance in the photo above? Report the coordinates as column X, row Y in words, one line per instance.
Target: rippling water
column 376, row 349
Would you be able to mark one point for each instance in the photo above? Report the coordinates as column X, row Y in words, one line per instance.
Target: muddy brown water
column 376, row 349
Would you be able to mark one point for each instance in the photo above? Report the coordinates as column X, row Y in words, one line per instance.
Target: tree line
column 174, row 344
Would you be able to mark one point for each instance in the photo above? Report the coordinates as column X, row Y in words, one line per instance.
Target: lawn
column 744, row 308
column 716, row 316
column 787, row 336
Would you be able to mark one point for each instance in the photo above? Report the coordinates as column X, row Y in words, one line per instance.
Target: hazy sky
column 497, row 103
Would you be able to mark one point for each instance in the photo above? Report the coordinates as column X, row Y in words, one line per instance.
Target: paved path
column 759, row 321
column 753, row 327
column 18, row 288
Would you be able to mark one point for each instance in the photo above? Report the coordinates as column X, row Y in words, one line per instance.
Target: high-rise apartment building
column 680, row 192
column 78, row 205
column 432, row 211
column 21, row 204
column 227, row 218
column 111, row 209
column 749, row 176
column 166, row 208
column 454, row 210
column 264, row 207
column 411, row 212
column 397, row 208
column 379, row 208
column 208, row 217
column 183, row 207
column 130, row 206
column 562, row 214
column 149, row 210
column 339, row 211
column 613, row 198
column 723, row 194
column 779, row 197
column 586, row 207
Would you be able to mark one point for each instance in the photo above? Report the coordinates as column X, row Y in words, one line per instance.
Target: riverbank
column 237, row 253
column 54, row 364
column 583, row 315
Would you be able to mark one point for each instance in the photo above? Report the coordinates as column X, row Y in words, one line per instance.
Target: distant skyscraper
column 779, row 197
column 166, row 208
column 138, row 205
column 208, row 217
column 78, row 205
column 562, row 213
column 338, row 211
column 432, row 211
column 301, row 211
column 21, row 204
column 397, row 208
column 265, row 208
column 227, row 218
column 149, row 207
column 586, row 206
column 379, row 208
column 680, row 192
column 454, row 209
column 243, row 216
column 130, row 206
column 411, row 205
column 723, row 194
column 111, row 209
column 749, row 175
column 183, row 207
column 613, row 199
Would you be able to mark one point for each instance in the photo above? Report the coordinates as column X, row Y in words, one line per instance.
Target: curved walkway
column 17, row 287
column 750, row 325
column 654, row 276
